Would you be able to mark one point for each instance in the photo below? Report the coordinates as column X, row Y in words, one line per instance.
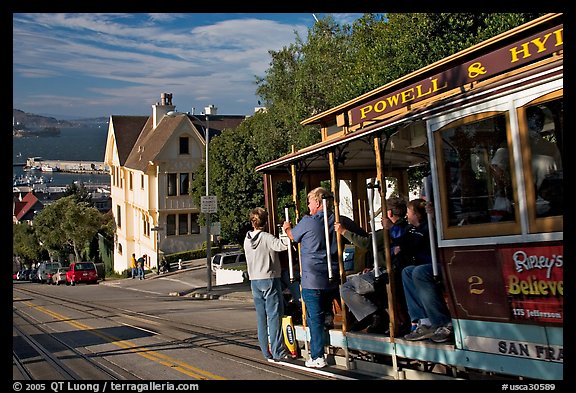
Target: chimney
column 162, row 108
column 211, row 110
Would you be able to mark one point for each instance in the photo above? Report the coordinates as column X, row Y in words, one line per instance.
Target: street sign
column 208, row 204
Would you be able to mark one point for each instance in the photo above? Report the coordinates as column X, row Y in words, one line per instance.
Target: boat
column 48, row 168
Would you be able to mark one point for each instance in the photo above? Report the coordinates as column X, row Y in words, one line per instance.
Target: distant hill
column 32, row 121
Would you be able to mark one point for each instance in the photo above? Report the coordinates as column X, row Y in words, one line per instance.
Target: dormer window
column 184, row 145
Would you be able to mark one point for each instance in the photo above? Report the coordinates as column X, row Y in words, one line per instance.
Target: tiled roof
column 21, row 208
column 126, row 132
column 151, row 141
column 139, row 143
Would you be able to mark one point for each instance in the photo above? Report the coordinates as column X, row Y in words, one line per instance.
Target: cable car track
column 216, row 340
column 55, row 363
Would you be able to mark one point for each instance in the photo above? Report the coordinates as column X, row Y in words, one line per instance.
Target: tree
column 333, row 65
column 25, row 244
column 67, row 225
column 79, row 192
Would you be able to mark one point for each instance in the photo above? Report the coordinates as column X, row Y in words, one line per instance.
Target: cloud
column 107, row 62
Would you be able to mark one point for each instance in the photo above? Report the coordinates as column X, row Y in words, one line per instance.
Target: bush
column 188, row 255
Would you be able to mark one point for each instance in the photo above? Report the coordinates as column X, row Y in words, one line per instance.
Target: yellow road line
column 168, row 361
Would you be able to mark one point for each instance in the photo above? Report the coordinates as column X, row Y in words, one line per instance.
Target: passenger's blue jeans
column 269, row 304
column 314, row 301
column 423, row 296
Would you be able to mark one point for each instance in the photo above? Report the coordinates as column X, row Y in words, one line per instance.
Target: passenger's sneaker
column 315, row 363
column 422, row 332
column 443, row 334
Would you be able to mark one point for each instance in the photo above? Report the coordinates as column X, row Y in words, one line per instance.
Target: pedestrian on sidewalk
column 263, row 263
column 134, row 266
column 141, row 267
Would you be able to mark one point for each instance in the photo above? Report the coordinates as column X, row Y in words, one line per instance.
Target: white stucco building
column 151, row 161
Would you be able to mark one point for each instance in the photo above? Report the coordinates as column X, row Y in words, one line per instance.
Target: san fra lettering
column 539, row 351
column 535, row 287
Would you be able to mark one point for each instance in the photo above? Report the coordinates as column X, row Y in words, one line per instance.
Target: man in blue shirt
column 317, row 289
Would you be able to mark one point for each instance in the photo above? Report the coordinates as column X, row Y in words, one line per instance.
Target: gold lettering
column 559, row 37
column 366, row 109
column 407, row 95
column 380, row 106
column 476, row 285
column 393, row 100
column 535, row 287
column 420, row 93
column 476, row 69
column 435, row 86
column 525, row 287
column 541, row 45
column 515, row 52
column 513, row 288
column 543, row 287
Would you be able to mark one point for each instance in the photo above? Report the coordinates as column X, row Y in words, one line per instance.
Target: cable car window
column 542, row 126
column 477, row 176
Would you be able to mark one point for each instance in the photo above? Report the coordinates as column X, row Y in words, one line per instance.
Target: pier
column 86, row 167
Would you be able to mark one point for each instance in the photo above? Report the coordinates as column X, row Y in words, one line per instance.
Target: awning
column 316, row 156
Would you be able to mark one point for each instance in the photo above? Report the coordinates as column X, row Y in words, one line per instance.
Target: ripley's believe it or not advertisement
column 534, row 279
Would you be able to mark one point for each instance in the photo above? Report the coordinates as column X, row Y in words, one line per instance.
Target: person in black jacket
column 424, row 297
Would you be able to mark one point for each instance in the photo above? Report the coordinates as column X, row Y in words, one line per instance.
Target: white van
column 45, row 268
column 227, row 258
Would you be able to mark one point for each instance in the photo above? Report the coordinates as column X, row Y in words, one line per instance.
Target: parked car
column 81, row 272
column 227, row 258
column 45, row 268
column 60, row 276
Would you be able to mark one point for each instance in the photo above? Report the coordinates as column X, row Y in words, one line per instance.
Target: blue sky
column 92, row 65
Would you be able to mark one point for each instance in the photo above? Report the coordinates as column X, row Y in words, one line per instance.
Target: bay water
column 73, row 144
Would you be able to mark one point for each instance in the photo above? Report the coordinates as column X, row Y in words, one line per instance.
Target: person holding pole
column 261, row 249
column 359, row 290
column 317, row 288
column 423, row 294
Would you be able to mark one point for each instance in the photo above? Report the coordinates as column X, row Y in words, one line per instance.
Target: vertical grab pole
column 370, row 190
column 327, row 236
column 290, row 262
column 429, row 199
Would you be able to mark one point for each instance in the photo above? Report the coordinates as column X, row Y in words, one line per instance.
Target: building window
column 119, row 248
column 195, row 226
column 130, row 177
column 183, row 224
column 170, row 225
column 184, row 183
column 172, row 184
column 142, row 181
column 118, row 216
column 184, row 145
column 145, row 225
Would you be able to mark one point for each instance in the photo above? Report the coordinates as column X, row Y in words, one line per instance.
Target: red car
column 81, row 272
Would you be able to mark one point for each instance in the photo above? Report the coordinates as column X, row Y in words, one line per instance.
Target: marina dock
column 86, row 167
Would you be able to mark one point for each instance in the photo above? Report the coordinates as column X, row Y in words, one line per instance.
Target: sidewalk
column 238, row 292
